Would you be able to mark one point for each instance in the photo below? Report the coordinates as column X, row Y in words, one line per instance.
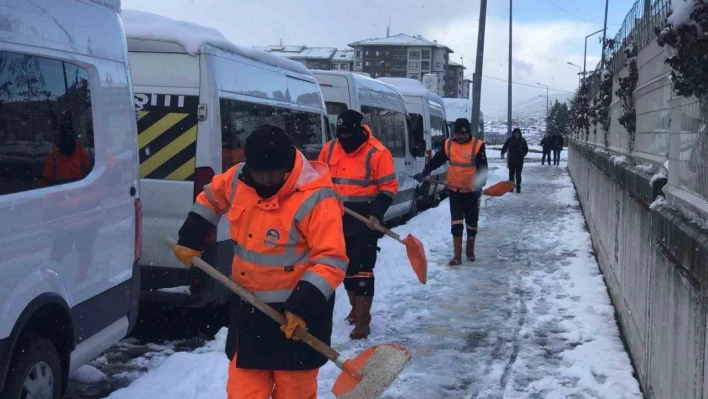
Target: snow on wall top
column 112, row 4
column 680, row 12
column 147, row 26
column 458, row 108
column 412, row 87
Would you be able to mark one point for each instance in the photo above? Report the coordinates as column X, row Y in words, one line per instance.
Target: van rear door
column 166, row 90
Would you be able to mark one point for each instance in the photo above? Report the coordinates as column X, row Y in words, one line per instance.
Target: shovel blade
column 416, row 255
column 357, row 382
column 499, row 189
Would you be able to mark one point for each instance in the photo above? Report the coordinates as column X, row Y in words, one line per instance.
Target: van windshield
column 240, row 118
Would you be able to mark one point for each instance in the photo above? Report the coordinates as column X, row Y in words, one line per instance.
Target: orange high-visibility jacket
column 58, row 168
column 294, row 236
column 363, row 174
column 462, row 171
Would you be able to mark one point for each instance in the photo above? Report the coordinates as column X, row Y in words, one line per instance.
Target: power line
column 575, row 15
column 526, row 84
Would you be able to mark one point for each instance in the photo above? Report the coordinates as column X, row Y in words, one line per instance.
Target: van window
column 438, row 132
column 389, row 127
column 46, row 127
column 333, row 111
column 417, row 129
column 240, row 118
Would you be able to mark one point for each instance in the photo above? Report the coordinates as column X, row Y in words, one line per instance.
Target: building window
column 313, row 65
column 388, row 53
column 461, row 74
column 425, row 65
column 438, row 65
column 345, row 67
column 47, row 126
column 323, row 65
column 367, row 63
column 426, row 54
column 358, row 65
column 414, row 76
column 334, row 66
column 388, row 74
column 414, row 55
column 414, row 66
column 240, row 118
column 378, row 53
column 358, row 54
column 376, row 74
column 366, row 52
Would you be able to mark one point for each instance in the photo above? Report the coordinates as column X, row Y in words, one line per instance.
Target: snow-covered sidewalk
column 530, row 319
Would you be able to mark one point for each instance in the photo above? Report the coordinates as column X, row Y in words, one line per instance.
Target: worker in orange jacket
column 69, row 161
column 467, row 175
column 364, row 177
column 285, row 222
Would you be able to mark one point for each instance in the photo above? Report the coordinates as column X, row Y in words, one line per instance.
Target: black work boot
column 351, row 318
column 457, row 248
column 469, row 249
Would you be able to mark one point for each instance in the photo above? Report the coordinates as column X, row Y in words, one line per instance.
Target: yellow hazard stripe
column 141, row 114
column 154, row 131
column 168, row 152
column 183, row 172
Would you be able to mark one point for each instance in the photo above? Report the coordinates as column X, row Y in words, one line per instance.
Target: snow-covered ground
column 530, row 319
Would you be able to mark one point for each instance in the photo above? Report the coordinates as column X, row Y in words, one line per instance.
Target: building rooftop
column 300, row 52
column 455, row 64
column 343, row 55
column 400, row 40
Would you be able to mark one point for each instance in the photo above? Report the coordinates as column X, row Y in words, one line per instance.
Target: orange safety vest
column 295, row 235
column 361, row 175
column 463, row 166
column 58, row 168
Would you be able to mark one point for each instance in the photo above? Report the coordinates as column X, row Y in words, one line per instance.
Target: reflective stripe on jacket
column 463, row 168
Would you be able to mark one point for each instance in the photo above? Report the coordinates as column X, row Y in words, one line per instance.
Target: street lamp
column 579, row 69
column 585, row 57
column 547, row 105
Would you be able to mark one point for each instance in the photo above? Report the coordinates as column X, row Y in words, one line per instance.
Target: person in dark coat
column 517, row 148
column 548, row 143
column 558, row 143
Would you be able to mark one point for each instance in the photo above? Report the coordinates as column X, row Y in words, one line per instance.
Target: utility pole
column 477, row 79
column 604, row 36
column 508, row 112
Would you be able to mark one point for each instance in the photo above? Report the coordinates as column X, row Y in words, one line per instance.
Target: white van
column 427, row 112
column 384, row 110
column 69, row 204
column 198, row 97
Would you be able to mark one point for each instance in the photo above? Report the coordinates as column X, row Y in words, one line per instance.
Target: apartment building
column 405, row 56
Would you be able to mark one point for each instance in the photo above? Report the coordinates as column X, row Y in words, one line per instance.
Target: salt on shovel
column 366, row 376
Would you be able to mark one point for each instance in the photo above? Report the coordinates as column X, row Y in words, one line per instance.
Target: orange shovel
column 414, row 248
column 365, row 376
column 497, row 190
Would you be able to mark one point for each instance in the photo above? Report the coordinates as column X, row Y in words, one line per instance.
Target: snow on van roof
column 412, row 87
column 148, row 26
column 112, row 4
column 458, row 108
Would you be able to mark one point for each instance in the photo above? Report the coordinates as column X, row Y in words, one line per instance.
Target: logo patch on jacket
column 272, row 238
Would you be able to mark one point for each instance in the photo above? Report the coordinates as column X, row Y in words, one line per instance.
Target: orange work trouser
column 262, row 384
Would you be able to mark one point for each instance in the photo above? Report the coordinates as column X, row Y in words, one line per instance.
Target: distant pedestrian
column 517, row 148
column 558, row 143
column 548, row 144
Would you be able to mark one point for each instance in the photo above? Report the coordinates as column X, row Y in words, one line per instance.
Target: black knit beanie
column 269, row 148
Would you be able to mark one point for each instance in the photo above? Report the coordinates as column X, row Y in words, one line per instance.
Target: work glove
column 373, row 223
column 420, row 176
column 185, row 254
column 293, row 322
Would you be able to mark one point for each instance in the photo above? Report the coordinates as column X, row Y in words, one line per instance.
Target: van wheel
column 35, row 371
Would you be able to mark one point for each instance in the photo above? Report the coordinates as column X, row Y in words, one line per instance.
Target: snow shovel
column 366, row 376
column 414, row 248
column 497, row 190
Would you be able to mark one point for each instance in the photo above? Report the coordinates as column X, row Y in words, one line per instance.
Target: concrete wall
column 655, row 264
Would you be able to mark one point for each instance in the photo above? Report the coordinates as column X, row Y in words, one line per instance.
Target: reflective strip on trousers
column 276, row 296
column 206, row 212
column 336, row 263
column 319, row 282
column 289, row 258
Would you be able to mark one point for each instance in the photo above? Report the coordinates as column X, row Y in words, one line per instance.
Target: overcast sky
column 547, row 33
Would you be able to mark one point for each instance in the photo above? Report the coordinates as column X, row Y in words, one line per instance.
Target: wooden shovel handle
column 306, row 337
column 433, row 181
column 379, row 227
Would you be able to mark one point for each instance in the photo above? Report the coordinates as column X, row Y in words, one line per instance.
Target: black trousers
column 546, row 154
column 464, row 213
column 361, row 251
column 556, row 157
column 515, row 172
